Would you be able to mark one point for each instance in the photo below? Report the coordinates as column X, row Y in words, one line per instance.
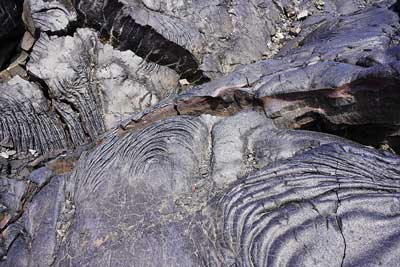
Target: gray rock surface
column 27, row 119
column 310, row 211
column 50, row 15
column 199, row 133
column 112, row 84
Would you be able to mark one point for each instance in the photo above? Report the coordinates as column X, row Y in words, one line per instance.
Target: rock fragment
column 302, row 14
column 27, row 41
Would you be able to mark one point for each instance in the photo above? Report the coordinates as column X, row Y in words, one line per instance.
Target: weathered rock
column 40, row 221
column 27, row 41
column 26, row 118
column 205, row 36
column 130, row 214
column 51, row 15
column 18, row 253
column 12, row 194
column 40, row 176
column 101, row 85
column 310, row 211
column 238, row 171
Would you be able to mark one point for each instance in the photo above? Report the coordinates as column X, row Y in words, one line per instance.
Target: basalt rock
column 54, row 16
column 11, row 30
column 201, row 133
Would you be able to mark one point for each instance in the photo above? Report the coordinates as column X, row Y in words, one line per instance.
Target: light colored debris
column 291, row 11
column 294, row 30
column 278, row 37
column 184, row 82
column 303, row 14
column 27, row 41
column 6, row 154
column 320, row 4
column 6, row 142
column 33, row 152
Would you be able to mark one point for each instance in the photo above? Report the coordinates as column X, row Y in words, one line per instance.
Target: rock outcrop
column 199, row 133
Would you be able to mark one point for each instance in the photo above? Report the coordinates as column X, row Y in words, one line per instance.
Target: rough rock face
column 190, row 36
column 11, row 29
column 314, row 209
column 26, row 120
column 50, row 16
column 199, row 133
column 102, row 84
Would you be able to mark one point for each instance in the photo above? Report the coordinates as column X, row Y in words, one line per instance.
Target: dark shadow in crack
column 11, row 31
column 124, row 33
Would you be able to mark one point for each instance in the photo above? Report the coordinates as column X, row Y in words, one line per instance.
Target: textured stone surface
column 111, row 84
column 310, row 211
column 51, row 15
column 200, row 133
column 11, row 29
column 26, row 118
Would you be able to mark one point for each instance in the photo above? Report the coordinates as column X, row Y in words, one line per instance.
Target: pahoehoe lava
column 199, row 133
column 125, row 33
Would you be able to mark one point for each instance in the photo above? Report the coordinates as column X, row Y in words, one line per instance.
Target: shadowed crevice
column 11, row 31
column 117, row 26
column 365, row 111
column 396, row 7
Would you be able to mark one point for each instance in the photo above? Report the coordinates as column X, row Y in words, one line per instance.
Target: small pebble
column 295, row 31
column 40, row 176
column 303, row 14
column 183, row 82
